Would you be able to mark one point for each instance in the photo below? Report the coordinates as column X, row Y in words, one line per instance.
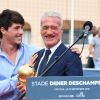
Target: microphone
column 86, row 28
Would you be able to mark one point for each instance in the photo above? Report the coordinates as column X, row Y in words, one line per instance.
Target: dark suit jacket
column 69, row 65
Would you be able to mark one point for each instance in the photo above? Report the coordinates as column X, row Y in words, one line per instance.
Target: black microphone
column 86, row 28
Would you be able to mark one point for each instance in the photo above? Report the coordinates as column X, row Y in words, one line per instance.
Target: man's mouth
column 50, row 37
column 19, row 37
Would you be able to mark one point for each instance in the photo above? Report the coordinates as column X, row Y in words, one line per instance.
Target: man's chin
column 19, row 42
column 49, row 45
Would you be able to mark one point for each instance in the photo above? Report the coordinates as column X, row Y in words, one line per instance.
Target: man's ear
column 2, row 29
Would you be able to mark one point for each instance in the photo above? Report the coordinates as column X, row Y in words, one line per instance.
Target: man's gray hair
column 52, row 14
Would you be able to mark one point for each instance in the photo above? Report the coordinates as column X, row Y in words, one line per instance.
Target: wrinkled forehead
column 50, row 20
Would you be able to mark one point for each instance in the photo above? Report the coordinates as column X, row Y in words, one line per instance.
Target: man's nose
column 20, row 31
column 49, row 31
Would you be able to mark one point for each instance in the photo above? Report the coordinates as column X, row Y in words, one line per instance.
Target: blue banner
column 63, row 88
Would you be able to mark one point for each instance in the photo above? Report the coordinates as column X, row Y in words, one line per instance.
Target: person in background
column 51, row 33
column 90, row 62
column 13, row 53
column 95, row 44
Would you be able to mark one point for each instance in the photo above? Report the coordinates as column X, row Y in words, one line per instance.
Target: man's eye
column 45, row 27
column 54, row 28
column 51, row 27
column 16, row 27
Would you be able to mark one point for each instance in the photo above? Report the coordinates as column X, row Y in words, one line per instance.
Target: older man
column 51, row 32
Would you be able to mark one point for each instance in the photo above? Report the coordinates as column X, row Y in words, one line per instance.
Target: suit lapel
column 57, row 53
column 54, row 57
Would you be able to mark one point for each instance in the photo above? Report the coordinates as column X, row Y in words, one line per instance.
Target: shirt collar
column 54, row 47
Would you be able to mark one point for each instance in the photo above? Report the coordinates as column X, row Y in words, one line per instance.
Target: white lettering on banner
column 58, row 83
column 84, row 83
column 39, row 83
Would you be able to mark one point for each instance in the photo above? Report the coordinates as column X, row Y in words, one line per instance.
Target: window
column 27, row 34
column 78, row 25
column 65, row 36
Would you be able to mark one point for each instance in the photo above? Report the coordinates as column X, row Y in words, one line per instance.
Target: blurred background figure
column 90, row 62
column 95, row 44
